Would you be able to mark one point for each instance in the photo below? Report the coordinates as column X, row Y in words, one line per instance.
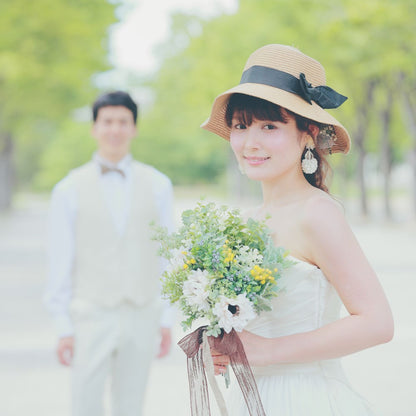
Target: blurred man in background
column 103, row 288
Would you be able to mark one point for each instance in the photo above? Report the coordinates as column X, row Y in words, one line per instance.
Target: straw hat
column 285, row 76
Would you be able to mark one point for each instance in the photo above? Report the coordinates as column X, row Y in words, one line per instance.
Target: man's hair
column 116, row 98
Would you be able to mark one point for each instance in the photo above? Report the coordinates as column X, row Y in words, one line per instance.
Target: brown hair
column 248, row 108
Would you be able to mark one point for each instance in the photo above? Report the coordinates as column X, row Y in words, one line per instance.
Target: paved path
column 32, row 383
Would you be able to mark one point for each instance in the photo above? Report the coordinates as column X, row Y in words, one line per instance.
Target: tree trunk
column 359, row 139
column 410, row 111
column 342, row 179
column 6, row 171
column 386, row 154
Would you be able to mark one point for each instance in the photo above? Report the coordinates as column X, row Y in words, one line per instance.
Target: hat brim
column 216, row 122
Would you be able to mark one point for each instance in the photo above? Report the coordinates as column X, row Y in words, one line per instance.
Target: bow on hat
column 323, row 95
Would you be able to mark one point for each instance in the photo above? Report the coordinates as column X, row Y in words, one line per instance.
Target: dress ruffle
column 300, row 394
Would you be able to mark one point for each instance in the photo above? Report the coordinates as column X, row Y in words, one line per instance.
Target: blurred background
column 175, row 57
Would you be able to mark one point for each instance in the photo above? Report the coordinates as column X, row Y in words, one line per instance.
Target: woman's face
column 267, row 150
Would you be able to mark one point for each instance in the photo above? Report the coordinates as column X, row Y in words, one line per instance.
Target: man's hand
column 165, row 342
column 65, row 350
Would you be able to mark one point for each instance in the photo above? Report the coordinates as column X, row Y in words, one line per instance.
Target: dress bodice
column 306, row 301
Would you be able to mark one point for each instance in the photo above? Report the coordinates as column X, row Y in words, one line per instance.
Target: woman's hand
column 221, row 361
column 255, row 348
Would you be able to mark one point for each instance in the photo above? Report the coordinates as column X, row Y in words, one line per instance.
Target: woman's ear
column 313, row 130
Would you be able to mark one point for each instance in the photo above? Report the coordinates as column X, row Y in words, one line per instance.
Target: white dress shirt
column 116, row 190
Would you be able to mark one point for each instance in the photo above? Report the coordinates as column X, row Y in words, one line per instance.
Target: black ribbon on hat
column 323, row 95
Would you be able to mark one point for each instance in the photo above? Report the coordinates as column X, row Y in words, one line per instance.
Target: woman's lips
column 255, row 161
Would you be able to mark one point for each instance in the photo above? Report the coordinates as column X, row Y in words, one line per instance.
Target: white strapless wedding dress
column 306, row 302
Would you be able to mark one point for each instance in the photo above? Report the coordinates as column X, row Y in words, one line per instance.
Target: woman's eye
column 270, row 127
column 239, row 126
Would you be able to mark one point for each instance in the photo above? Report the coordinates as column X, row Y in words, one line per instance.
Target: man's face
column 114, row 130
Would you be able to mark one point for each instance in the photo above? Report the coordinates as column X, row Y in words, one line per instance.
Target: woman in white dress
column 280, row 132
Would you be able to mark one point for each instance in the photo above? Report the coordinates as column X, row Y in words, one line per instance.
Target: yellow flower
column 185, row 266
column 229, row 255
column 262, row 275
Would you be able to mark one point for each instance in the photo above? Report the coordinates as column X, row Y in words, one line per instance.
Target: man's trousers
column 118, row 343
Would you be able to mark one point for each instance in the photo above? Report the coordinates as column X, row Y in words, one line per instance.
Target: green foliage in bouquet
column 220, row 267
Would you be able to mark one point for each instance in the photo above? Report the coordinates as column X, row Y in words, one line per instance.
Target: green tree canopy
column 49, row 49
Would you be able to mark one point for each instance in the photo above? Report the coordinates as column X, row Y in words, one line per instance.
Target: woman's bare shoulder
column 324, row 229
column 322, row 220
column 320, row 206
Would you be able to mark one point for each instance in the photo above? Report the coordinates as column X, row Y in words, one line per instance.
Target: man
column 103, row 288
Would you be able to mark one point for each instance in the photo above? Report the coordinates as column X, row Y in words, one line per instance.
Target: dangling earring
column 309, row 163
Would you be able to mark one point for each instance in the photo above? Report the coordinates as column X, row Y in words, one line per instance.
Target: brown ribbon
column 228, row 344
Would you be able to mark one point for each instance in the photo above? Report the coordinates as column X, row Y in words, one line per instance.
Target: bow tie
column 105, row 169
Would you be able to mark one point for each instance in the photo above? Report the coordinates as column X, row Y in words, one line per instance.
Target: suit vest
column 111, row 268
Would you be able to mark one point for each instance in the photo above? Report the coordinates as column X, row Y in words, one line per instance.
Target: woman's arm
column 330, row 244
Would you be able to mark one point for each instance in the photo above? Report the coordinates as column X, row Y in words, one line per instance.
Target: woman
column 280, row 132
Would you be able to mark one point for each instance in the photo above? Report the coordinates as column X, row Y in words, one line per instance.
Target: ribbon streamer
column 209, row 368
column 228, row 344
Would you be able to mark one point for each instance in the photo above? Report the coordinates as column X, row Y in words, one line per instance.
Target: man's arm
column 58, row 291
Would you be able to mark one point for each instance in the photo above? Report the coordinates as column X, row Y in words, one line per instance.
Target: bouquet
column 220, row 268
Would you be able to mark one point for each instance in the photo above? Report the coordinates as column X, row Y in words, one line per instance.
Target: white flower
column 176, row 261
column 248, row 257
column 186, row 244
column 244, row 312
column 196, row 289
column 222, row 216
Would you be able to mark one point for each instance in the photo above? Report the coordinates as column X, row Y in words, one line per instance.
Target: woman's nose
column 251, row 141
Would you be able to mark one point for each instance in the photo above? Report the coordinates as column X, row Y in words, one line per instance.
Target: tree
column 48, row 51
column 409, row 110
column 372, row 69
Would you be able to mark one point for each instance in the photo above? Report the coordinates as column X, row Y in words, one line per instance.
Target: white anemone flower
column 196, row 289
column 234, row 313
